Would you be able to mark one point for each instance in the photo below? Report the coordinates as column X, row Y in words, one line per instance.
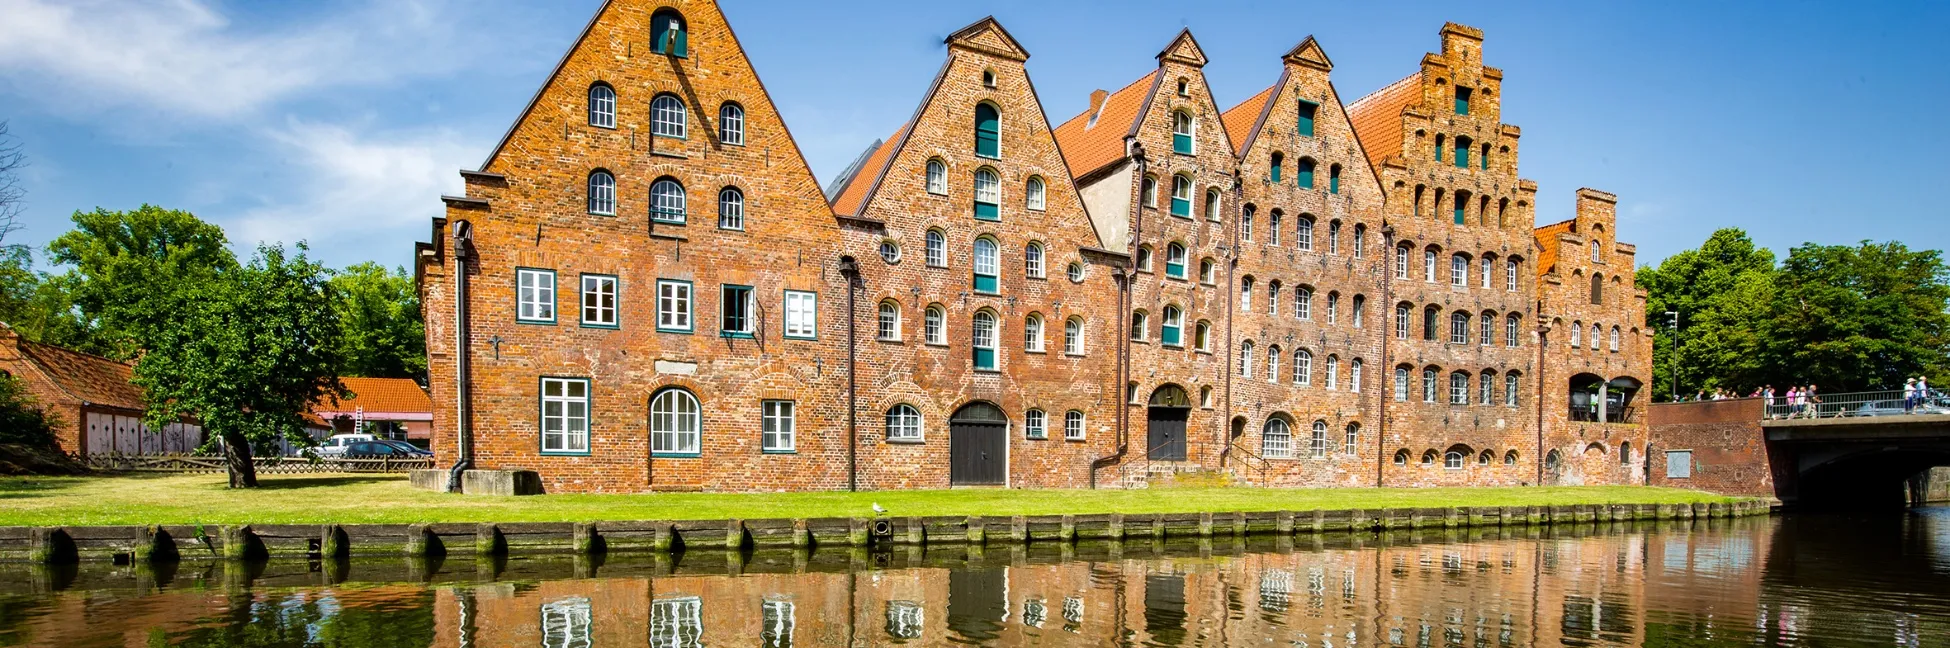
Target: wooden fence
column 265, row 465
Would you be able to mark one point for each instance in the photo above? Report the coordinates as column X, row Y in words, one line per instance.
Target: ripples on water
column 1793, row 581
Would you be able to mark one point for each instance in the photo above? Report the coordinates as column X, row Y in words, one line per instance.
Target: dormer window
column 1462, row 100
column 1306, row 120
column 1184, row 88
column 667, row 34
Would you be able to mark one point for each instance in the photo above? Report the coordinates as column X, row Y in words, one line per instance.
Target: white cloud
column 187, row 58
column 359, row 196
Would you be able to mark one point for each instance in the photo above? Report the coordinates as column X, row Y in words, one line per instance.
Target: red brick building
column 96, row 408
column 398, row 404
column 1294, row 291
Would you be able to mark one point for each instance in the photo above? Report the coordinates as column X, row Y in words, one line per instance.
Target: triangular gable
column 1309, row 53
column 1184, row 49
column 988, row 36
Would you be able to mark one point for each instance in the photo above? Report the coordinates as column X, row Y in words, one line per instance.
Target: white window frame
column 936, row 249
column 934, row 326
column 602, row 193
column 1032, row 333
column 731, row 208
column 1073, row 429
column 1034, row 194
column 675, row 429
column 1510, row 268
column 988, row 187
column 1459, row 271
column 904, row 423
column 675, row 303
column 603, row 288
column 602, row 109
column 669, row 117
column 1032, row 260
column 1276, row 443
column 1303, row 367
column 801, row 315
column 731, row 124
column 1035, row 424
column 1428, row 266
column 1073, row 342
column 568, row 425
column 666, row 205
column 937, row 177
column 778, row 427
column 535, row 295
column 982, row 329
column 889, row 322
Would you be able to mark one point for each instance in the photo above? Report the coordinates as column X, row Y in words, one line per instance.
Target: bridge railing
column 1589, row 414
column 1852, row 404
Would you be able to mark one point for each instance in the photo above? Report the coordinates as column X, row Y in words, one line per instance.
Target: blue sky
column 341, row 121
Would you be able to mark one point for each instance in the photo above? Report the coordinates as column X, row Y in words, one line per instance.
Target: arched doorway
column 1165, row 423
column 978, row 446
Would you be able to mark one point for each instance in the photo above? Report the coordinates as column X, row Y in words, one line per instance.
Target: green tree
column 21, row 420
column 121, row 260
column 380, row 312
column 1859, row 318
column 245, row 351
column 1721, row 292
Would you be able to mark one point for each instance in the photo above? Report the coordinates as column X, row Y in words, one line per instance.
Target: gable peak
column 1309, row 54
column 988, row 36
column 1183, row 49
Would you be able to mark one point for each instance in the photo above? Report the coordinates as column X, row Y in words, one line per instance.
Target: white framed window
column 777, row 623
column 602, row 193
column 1246, row 359
column 1032, row 260
column 1032, row 194
column 1614, row 339
column 934, row 325
column 1273, row 363
column 1035, row 424
column 1333, row 371
column 565, row 415
column 1246, row 224
column 1459, row 328
column 1246, row 294
column 1142, row 258
column 981, row 335
column 1597, row 333
column 890, row 322
column 1429, row 386
column 1273, row 298
column 1032, row 333
column 1486, row 388
column 1182, row 129
column 674, row 423
column 1073, row 336
column 731, row 124
column 1458, row 388
column 667, row 202
column 1353, row 438
column 602, row 106
column 1360, row 240
column 1172, row 332
column 1304, row 234
column 1273, row 227
column 1510, row 275
column 1334, row 237
column 1212, row 205
column 1402, row 315
column 937, row 177
column 1459, row 271
column 731, row 208
column 1175, row 260
column 1076, row 272
column 598, row 300
column 1510, row 382
column 1317, row 443
column 1577, row 335
column 534, row 295
column 1333, row 308
column 1428, row 266
column 1202, row 336
column 777, row 426
column 1208, row 271
column 673, row 306
column 1401, row 263
column 1511, row 326
column 566, row 624
column 1073, row 426
column 1303, row 367
column 988, row 265
column 988, row 194
column 1485, row 268
column 1276, row 439
column 1360, row 311
column 1303, row 303
column 1401, row 384
column 937, row 249
column 1148, row 191
column 1140, row 322
column 677, row 622
column 1486, row 331
column 903, row 423
column 801, row 315
column 1354, row 375
column 1452, row 460
column 667, row 117
column 890, row 251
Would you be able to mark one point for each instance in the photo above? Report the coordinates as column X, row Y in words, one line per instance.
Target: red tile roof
column 1547, row 245
column 92, row 379
column 1088, row 147
column 381, row 395
column 1377, row 117
column 1239, row 121
column 849, row 200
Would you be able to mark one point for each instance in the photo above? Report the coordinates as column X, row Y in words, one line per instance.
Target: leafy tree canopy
column 122, row 260
column 380, row 313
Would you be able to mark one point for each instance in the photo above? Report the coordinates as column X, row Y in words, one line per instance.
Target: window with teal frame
column 1462, row 100
column 1181, row 133
column 735, row 304
column 988, row 195
column 1175, row 261
column 1461, row 215
column 1305, row 125
column 1462, row 152
column 988, row 131
column 987, row 265
column 1273, row 172
column 1181, row 196
column 1173, row 333
column 982, row 335
column 1304, row 173
column 667, row 34
column 1334, row 179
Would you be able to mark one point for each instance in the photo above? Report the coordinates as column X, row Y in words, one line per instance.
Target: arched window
column 1597, row 288
column 1510, row 268
column 1212, row 204
column 1486, row 268
column 1181, row 196
column 1304, row 235
column 1334, row 237
column 1333, row 371
column 982, row 337
column 1614, row 339
column 731, row 124
column 1459, row 271
column 667, row 201
column 1485, row 458
column 890, row 321
column 1142, row 258
column 988, row 131
column 1173, row 332
column 1552, row 460
column 1303, row 367
column 1032, row 193
column 602, row 193
column 731, row 208
column 1318, row 443
column 1276, row 439
column 1032, row 333
column 1304, row 173
column 1624, row 453
column 1452, row 460
column 1429, row 386
column 1486, row 388
column 1073, row 336
column 1510, row 392
column 1401, row 384
column 1353, row 436
column 1354, row 375
column 988, row 195
column 1577, row 334
column 667, row 116
column 1360, row 240
column 1512, row 331
column 1510, row 458
column 1273, row 228
column 937, row 177
column 988, row 78
column 1273, row 364
column 602, row 106
column 1273, row 297
column 1597, row 252
column 1360, row 311
column 1458, row 388
column 937, row 249
column 1487, row 329
column 1208, row 271
column 1075, row 271
column 1175, row 260
column 1462, row 152
column 988, row 265
column 1440, row 141
column 1032, row 260
column 1140, row 324
column 1334, row 179
column 1428, row 265
column 1148, row 191
column 1459, row 328
column 667, row 34
column 1202, row 336
column 1246, row 293
column 1246, row 224
column 1429, row 323
column 1303, row 303
column 903, row 423
column 1182, row 129
column 1402, row 313
column 1246, row 359
column 1401, row 263
column 1428, row 458
column 1401, row 457
column 1597, row 336
column 1073, row 425
column 674, row 428
column 934, row 325
column 1273, row 167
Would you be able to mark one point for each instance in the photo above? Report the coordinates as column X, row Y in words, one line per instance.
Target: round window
column 890, row 251
column 1076, row 272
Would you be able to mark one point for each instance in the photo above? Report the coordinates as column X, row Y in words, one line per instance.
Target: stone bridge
column 1847, row 456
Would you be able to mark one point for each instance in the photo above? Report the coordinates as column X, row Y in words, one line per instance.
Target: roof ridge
column 1357, row 103
column 1086, row 111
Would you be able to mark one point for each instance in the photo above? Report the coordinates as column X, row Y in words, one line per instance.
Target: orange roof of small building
column 91, row 378
column 381, row 395
column 1088, row 146
column 1547, row 244
column 1377, row 117
column 848, row 202
column 1240, row 119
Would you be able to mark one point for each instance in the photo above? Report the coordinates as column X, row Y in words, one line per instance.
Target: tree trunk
column 237, row 456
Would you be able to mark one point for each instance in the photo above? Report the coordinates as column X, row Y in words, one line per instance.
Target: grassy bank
column 354, row 499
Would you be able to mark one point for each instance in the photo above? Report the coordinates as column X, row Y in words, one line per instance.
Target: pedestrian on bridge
column 1909, row 395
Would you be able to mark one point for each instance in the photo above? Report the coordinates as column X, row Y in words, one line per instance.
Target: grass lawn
column 351, row 499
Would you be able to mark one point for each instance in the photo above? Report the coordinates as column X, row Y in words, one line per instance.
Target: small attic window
column 988, row 78
column 1184, row 88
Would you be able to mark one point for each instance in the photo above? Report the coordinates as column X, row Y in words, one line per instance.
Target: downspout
column 1387, row 333
column 463, row 248
column 850, row 270
column 1543, row 334
column 1123, row 276
column 1231, row 296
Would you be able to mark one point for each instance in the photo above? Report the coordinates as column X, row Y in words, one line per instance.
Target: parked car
column 379, row 449
column 408, row 448
column 336, row 445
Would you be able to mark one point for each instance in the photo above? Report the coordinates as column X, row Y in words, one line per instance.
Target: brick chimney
column 1096, row 105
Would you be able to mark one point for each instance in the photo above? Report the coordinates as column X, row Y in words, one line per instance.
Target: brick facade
column 937, row 230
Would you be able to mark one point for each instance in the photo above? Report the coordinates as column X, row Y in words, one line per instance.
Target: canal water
column 1880, row 580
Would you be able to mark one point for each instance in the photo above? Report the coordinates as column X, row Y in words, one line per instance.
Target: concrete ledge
column 501, row 482
column 433, row 479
